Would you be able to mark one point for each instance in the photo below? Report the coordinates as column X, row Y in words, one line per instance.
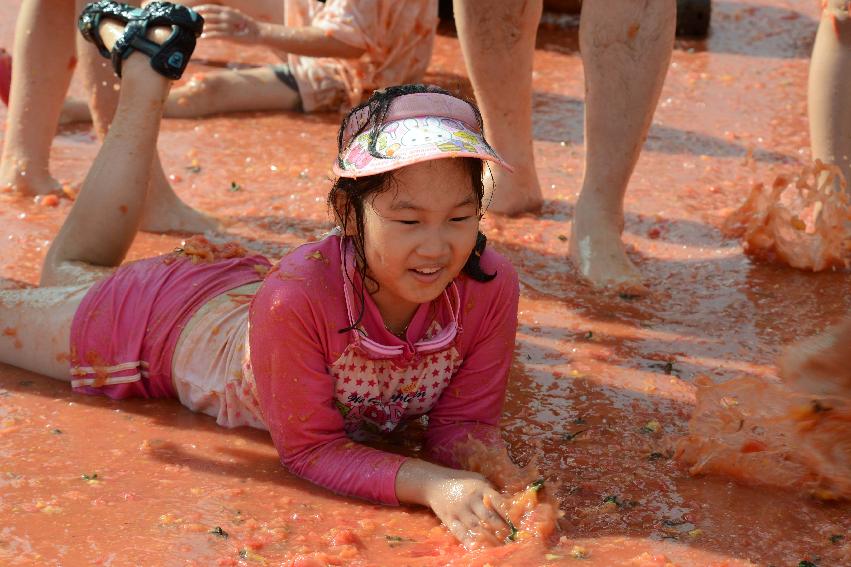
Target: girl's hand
column 221, row 22
column 470, row 508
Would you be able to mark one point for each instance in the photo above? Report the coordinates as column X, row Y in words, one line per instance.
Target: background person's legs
column 829, row 91
column 44, row 62
column 498, row 43
column 626, row 49
column 243, row 90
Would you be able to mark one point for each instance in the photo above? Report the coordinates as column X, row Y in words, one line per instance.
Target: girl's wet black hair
column 347, row 195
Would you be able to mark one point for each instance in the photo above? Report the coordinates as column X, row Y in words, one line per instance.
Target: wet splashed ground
column 600, row 383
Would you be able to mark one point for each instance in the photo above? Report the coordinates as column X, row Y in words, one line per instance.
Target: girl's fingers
column 457, row 528
column 498, row 504
column 488, row 517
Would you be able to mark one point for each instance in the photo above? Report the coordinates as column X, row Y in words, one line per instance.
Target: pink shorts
column 124, row 333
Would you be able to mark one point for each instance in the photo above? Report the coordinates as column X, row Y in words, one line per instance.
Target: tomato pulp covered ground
column 601, row 384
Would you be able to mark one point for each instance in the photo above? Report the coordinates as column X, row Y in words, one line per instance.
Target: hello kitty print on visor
column 419, row 127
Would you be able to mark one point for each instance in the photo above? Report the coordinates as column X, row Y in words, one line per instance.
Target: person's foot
column 513, row 193
column 17, row 178
column 165, row 212
column 598, row 253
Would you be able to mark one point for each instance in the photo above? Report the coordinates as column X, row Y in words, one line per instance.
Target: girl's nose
column 434, row 245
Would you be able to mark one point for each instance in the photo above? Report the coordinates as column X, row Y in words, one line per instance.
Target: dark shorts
column 285, row 75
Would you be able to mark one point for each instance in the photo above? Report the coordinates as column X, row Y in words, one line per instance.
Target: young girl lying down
column 401, row 314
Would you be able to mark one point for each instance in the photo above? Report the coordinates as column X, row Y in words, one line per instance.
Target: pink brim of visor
column 419, row 127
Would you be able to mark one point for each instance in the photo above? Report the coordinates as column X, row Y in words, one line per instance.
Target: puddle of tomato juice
column 601, row 386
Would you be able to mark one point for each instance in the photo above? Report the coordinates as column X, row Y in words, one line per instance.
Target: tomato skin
column 753, row 446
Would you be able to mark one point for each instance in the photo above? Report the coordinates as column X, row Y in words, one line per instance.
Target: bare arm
column 227, row 23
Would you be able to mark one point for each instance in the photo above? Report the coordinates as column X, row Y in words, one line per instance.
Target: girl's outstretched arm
column 230, row 24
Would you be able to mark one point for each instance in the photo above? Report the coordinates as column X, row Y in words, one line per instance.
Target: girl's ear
column 349, row 222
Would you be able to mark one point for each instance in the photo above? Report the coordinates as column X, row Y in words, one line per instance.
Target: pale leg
column 102, row 83
column 829, row 93
column 626, row 49
column 44, row 62
column 99, row 229
column 245, row 90
column 498, row 43
column 108, row 211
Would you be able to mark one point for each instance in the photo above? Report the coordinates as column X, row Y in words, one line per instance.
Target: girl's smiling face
column 418, row 235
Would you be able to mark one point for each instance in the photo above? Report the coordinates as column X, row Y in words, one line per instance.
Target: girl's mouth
column 426, row 275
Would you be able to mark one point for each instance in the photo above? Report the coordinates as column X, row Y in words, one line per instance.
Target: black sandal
column 170, row 58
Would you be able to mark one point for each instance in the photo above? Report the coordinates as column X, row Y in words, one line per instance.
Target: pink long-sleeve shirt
column 319, row 391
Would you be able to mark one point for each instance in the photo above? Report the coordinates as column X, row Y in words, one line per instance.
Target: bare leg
column 108, row 211
column 498, row 44
column 99, row 229
column 44, row 63
column 830, row 88
column 36, row 326
column 244, row 90
column 102, row 83
column 626, row 49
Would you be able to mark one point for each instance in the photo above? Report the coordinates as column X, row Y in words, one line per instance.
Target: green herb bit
column 567, row 436
column 194, row 168
column 613, row 499
column 655, row 456
column 56, row 431
column 835, row 539
column 513, row 535
column 806, row 563
column 589, row 335
column 92, row 476
column 562, row 237
column 234, row 186
column 628, row 296
column 243, row 553
column 218, row 531
column 394, row 538
column 537, row 485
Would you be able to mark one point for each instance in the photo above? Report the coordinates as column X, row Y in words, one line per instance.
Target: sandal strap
column 172, row 56
column 93, row 13
column 169, row 58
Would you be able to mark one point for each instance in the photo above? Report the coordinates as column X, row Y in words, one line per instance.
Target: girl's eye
column 460, row 219
column 408, row 222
